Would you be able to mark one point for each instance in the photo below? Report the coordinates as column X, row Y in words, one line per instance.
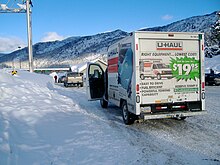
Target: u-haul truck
column 152, row 75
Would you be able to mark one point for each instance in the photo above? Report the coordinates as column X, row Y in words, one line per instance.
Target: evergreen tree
column 213, row 47
column 216, row 29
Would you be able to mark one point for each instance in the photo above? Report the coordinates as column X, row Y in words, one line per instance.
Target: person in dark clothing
column 212, row 71
column 55, row 78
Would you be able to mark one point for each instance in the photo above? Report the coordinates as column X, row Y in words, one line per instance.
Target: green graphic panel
column 185, row 68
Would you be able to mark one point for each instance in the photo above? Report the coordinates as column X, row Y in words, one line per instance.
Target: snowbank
column 46, row 124
column 40, row 126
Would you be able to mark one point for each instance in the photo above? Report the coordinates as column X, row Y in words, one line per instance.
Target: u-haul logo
column 167, row 45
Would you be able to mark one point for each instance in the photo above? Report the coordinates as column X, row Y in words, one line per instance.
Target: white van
column 154, row 69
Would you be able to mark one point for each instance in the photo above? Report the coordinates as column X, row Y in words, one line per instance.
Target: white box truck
column 152, row 75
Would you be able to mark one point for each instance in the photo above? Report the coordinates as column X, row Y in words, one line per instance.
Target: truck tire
column 180, row 117
column 104, row 103
column 158, row 76
column 66, row 85
column 128, row 117
column 142, row 77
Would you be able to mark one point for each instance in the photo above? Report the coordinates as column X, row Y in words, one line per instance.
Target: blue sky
column 58, row 19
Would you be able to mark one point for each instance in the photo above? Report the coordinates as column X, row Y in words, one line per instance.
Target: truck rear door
column 176, row 73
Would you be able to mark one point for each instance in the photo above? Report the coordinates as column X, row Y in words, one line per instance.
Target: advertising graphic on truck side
column 153, row 75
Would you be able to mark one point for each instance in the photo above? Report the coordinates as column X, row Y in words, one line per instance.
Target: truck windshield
column 161, row 66
column 73, row 74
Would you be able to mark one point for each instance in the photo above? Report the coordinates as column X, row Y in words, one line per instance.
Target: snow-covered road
column 43, row 123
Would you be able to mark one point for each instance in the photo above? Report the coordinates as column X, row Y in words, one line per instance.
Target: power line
column 12, row 6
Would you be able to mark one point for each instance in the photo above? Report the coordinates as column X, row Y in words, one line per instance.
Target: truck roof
column 162, row 35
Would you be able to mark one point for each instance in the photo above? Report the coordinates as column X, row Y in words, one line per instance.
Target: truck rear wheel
column 142, row 77
column 128, row 117
column 181, row 118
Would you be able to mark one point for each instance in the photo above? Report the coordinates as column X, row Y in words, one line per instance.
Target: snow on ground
column 45, row 124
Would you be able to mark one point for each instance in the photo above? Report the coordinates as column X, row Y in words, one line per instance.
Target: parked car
column 73, row 78
column 212, row 79
column 217, row 79
column 61, row 79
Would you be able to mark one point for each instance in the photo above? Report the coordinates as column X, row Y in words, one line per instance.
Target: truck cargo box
column 156, row 75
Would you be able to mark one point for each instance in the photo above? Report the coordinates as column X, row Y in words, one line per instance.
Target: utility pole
column 4, row 8
column 29, row 31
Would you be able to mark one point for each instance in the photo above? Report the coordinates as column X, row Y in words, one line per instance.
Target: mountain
column 81, row 49
column 206, row 24
column 1, row 55
column 69, row 51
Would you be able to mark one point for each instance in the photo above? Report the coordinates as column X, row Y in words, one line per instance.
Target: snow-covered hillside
column 82, row 49
column 192, row 24
column 44, row 123
column 206, row 24
column 69, row 51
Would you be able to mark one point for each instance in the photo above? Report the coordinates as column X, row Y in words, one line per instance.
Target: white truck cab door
column 95, row 86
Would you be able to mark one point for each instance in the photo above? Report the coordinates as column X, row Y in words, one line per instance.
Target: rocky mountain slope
column 69, row 51
column 81, row 49
column 208, row 24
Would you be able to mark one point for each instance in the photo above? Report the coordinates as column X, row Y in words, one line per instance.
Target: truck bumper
column 172, row 115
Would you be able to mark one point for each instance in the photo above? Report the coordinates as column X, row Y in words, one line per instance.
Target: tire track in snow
column 166, row 133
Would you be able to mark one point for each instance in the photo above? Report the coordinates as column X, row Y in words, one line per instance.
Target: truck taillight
column 179, row 106
column 182, row 107
column 136, row 46
column 137, row 88
column 161, row 108
column 203, row 85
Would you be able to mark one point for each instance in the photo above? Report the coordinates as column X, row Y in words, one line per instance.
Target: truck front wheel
column 158, row 76
column 103, row 103
column 128, row 117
